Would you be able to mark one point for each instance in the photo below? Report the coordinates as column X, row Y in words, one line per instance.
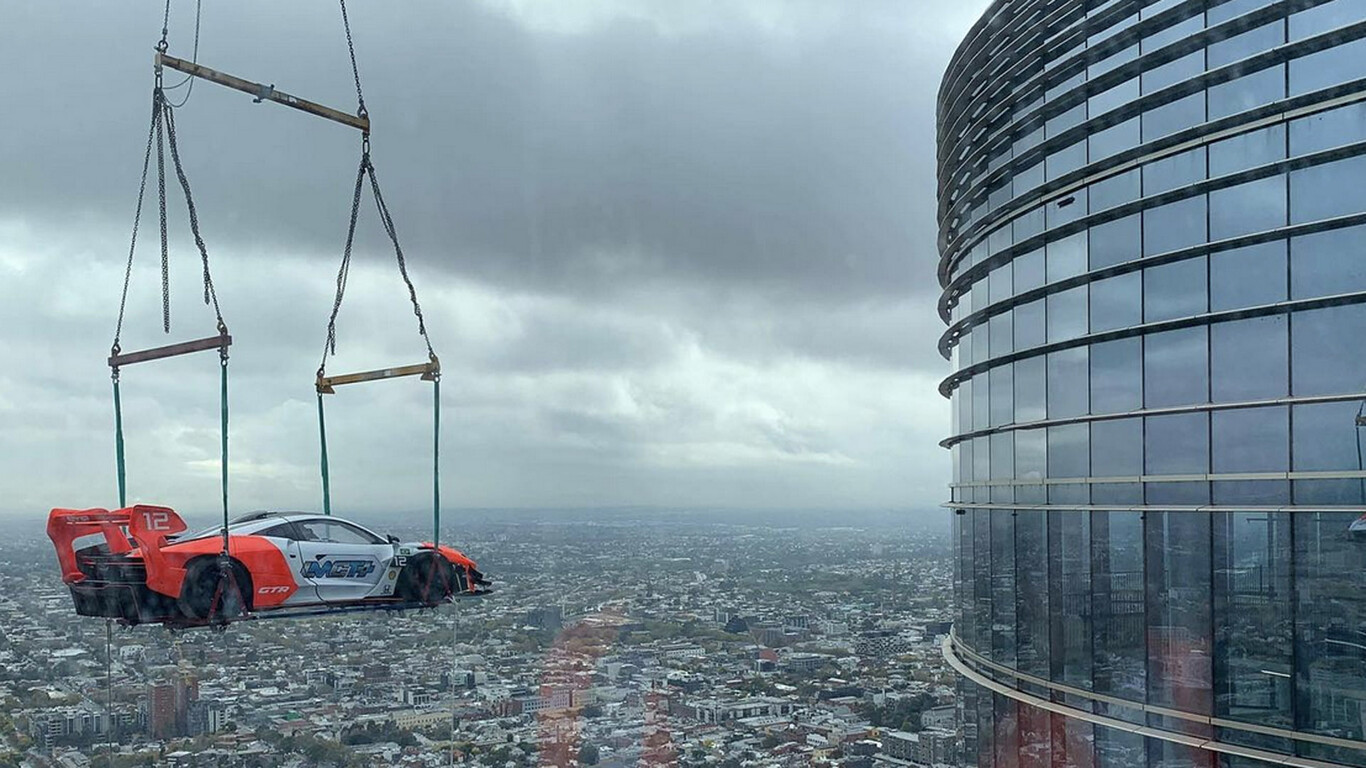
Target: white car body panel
column 327, row 569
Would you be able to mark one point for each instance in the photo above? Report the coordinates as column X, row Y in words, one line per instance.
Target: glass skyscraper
column 1153, row 260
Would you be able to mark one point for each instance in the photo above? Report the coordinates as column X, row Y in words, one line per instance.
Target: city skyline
column 696, row 643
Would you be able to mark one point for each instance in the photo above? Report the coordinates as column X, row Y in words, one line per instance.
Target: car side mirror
column 392, row 539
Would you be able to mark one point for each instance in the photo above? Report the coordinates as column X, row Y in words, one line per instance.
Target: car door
column 286, row 536
column 343, row 561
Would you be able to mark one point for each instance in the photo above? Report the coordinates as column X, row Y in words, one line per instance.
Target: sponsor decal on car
column 272, row 590
column 338, row 569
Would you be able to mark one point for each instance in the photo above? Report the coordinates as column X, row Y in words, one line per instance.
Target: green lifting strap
column 431, row 371
column 322, row 441
column 118, row 444
column 327, row 475
column 223, row 438
column 161, row 134
column 121, row 463
column 436, row 462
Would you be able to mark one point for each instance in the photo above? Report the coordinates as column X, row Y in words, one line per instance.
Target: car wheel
column 428, row 579
column 211, row 595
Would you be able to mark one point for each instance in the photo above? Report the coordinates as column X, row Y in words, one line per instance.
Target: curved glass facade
column 1153, row 260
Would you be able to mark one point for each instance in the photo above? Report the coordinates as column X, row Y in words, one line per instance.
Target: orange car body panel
column 64, row 526
column 457, row 558
column 272, row 580
column 148, row 527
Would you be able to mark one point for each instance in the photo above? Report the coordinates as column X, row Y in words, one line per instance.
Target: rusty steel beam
column 221, row 341
column 262, row 92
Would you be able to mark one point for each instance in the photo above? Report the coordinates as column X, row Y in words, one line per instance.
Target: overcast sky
column 671, row 253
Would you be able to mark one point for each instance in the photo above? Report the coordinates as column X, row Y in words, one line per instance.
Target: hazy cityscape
column 751, row 480
column 618, row 638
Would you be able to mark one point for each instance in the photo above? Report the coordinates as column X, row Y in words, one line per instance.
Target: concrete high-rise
column 1153, row 260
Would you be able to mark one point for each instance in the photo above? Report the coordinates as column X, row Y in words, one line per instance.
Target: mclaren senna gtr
column 139, row 565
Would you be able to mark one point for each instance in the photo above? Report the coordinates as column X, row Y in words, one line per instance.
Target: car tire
column 201, row 599
column 427, row 579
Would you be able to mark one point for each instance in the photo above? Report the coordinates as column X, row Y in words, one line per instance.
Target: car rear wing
column 141, row 525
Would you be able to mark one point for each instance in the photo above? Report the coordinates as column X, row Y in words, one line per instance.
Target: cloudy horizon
column 670, row 254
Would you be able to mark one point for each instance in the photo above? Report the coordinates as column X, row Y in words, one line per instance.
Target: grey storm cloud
column 622, row 153
column 657, row 242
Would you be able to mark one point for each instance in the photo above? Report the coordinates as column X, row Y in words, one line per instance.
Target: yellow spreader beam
column 428, row 371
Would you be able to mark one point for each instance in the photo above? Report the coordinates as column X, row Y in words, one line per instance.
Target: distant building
column 206, row 716
column 67, row 725
column 863, row 747
column 880, row 643
column 417, row 719
column 682, row 651
column 803, row 662
column 937, row 746
column 937, row 628
column 714, row 711
column 939, row 717
column 900, row 744
column 549, row 617
column 168, row 707
column 768, row 633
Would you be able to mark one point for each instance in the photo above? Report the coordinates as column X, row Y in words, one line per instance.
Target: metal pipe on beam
column 262, row 92
column 221, row 341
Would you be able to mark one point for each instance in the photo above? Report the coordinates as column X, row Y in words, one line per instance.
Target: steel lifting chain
column 361, row 111
column 162, row 134
column 161, row 200
column 137, row 219
column 165, row 29
column 210, row 295
column 344, row 272
column 367, row 171
column 389, row 229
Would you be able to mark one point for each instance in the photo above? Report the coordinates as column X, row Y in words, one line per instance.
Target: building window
column 1325, row 353
column 1117, row 448
column 1176, row 368
column 1174, row 226
column 1174, row 290
column 1251, row 440
column 1250, row 359
column 1327, row 263
column 1177, row 444
column 1327, row 190
column 1117, row 376
column 1069, row 451
column 1248, row 276
column 1068, row 383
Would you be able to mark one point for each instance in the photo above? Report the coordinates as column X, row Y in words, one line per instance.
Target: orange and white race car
column 138, row 565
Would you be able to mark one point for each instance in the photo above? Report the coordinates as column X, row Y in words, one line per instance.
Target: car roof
column 261, row 520
column 256, row 522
